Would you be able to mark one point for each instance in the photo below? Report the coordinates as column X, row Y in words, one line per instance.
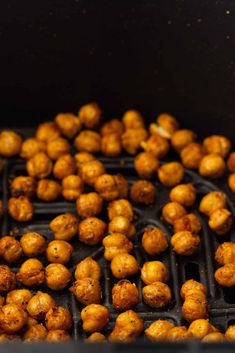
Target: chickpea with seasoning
column 225, row 275
column 200, row 328
column 64, row 226
column 115, row 244
column 57, row 148
column 111, row 145
column 31, row 273
column 217, row 144
column 83, row 157
column 231, row 182
column 179, row 333
column 39, row 305
column 35, row 333
column 39, row 166
column 10, row 249
column 143, row 192
column 230, row 333
column 64, row 166
column 90, row 171
column 125, row 295
column 57, row 276
column 225, row 253
column 185, row 243
column 89, row 205
column 132, row 119
column 112, row 126
column 122, row 185
column 185, row 194
column 20, row 209
column 57, row 336
column 87, row 291
column 194, row 309
column 213, row 337
column 21, row 297
column 47, row 131
column 12, row 318
column 7, row 279
column 32, row 146
column 154, row 241
column 181, row 138
column 10, row 143
column 69, row 124
column 190, row 285
column 220, row 221
column 96, row 337
column 158, row 330
column 124, row 265
column 72, row 187
column 212, row 166
column 95, row 317
column 156, row 145
column 146, row 164
column 59, row 251
column 106, row 187
column 91, row 230
column 212, row 202
column 173, row 211
column 90, row 115
column 33, row 244
column 191, row 155
column 170, row 174
column 23, row 186
column 120, row 207
column 48, row 190
column 120, row 224
column 88, row 141
column 58, row 318
column 154, row 271
column 165, row 125
column 189, row 223
column 128, row 326
column 156, row 295
column 231, row 162
column 132, row 140
column 87, row 268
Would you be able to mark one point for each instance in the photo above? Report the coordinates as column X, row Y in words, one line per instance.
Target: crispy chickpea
column 212, row 202
column 125, row 295
column 87, row 268
column 111, row 145
column 64, row 166
column 171, row 174
column 88, row 141
column 154, row 271
column 10, row 249
column 57, row 336
column 7, row 279
column 143, row 191
column 231, row 182
column 69, row 124
column 185, row 194
column 191, row 155
column 57, row 148
column 157, row 145
column 4, row 337
column 94, row 317
column 230, row 333
column 106, row 187
column 20, row 209
column 190, row 285
column 31, row 321
column 124, row 265
column 220, row 221
column 87, row 291
column 91, row 230
column 96, row 337
column 213, row 337
column 32, row 146
column 90, row 115
column 225, row 275
column 115, row 244
column 83, row 157
column 165, row 125
column 231, row 162
column 179, row 333
column 57, row 276
column 12, row 318
column 132, row 139
column 47, row 131
column 59, row 251
column 181, row 138
column 157, row 295
column 48, row 190
column 90, row 171
column 10, row 143
column 33, row 244
column 158, row 330
column 185, row 243
column 39, row 166
column 72, row 187
column 154, row 241
column 89, row 205
column 31, row 273
column 193, row 309
column 64, row 226
column 120, row 207
column 132, row 119
column 121, row 224
column 58, row 318
column 128, row 326
column 39, row 305
column 146, row 164
column 200, row 328
column 112, row 126
column 20, row 297
column 173, row 211
column 225, row 253
column 217, row 144
column 35, row 333
column 212, row 166
column 189, row 223
column 23, row 186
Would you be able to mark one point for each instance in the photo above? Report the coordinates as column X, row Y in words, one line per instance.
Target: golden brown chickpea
column 90, row 115
column 191, row 155
column 157, row 145
column 90, row 171
column 230, row 333
column 213, row 337
column 31, row 321
column 59, row 251
column 231, row 162
column 132, row 119
column 83, row 157
column 124, row 265
column 212, row 202
column 48, row 190
column 125, row 295
column 7, row 279
column 33, row 244
column 4, row 337
column 179, row 333
column 64, row 166
column 96, row 337
column 225, row 253
column 39, row 305
column 88, row 141
column 112, row 126
column 120, row 224
column 190, row 285
column 47, row 131
column 220, row 221
column 116, row 243
column 57, row 276
column 154, row 271
column 87, row 291
column 200, row 328
column 91, row 230
column 20, row 209
column 165, row 125
column 72, row 187
column 231, row 182
column 89, row 205
column 12, row 318
column 173, row 211
column 10, row 143
column 171, row 174
column 68, row 124
column 31, row 273
column 21, row 297
column 128, row 326
column 181, row 138
column 132, row 139
column 225, row 275
column 185, row 194
column 157, row 295
column 106, row 187
column 111, row 145
column 10, row 249
column 57, row 336
column 193, row 309
column 57, row 148
column 122, row 185
column 212, row 166
column 94, row 317
column 87, row 268
column 120, row 207
column 185, row 243
column 58, row 318
column 154, row 241
column 39, row 166
column 158, row 330
column 23, row 186
column 35, row 333
column 189, row 223
column 217, row 144
column 64, row 226
column 143, row 191
column 32, row 146
column 146, row 164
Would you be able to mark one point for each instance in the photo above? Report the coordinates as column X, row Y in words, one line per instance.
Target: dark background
column 155, row 56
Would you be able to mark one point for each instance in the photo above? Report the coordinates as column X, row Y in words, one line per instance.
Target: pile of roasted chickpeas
column 54, row 171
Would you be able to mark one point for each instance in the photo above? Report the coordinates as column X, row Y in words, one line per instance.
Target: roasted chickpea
column 157, row 145
column 185, row 243
column 217, row 144
column 106, row 187
column 87, row 268
column 96, row 337
column 128, row 326
column 212, row 166
column 190, row 285
column 87, row 291
column 158, row 330
column 132, row 119
column 94, row 317
column 173, row 211
column 225, row 253
column 231, row 162
column 33, row 244
column 225, row 275
column 88, row 141
column 194, row 309
column 154, row 241
column 10, row 143
column 64, row 166
column 57, row 148
column 58, row 318
column 59, row 251
column 220, row 221
column 47, row 131
column 31, row 321
column 146, row 164
column 90, row 115
column 185, row 194
column 230, row 333
column 10, row 249
column 111, row 145
column 157, row 295
column 191, row 155
column 214, row 337
column 64, row 226
column 143, row 191
column 48, row 190
column 116, row 243
column 23, row 186
column 7, row 279
column 189, row 223
column 39, row 305
column 181, row 138
column 39, row 166
column 57, row 276
column 21, row 297
column 165, row 125
column 12, row 318
column 89, row 205
column 91, row 230
column 122, row 185
column 72, row 187
column 112, row 126
column 20, row 209
column 4, row 338
column 32, row 146
column 68, row 124
column 200, row 328
column 171, row 174
column 154, row 271
column 35, row 333
column 125, row 295
column 83, row 157
column 90, row 171
column 120, row 207
column 120, row 224
column 212, row 202
column 57, row 336
column 124, row 265
column 179, row 333
column 31, row 273
column 231, row 182
column 132, row 139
